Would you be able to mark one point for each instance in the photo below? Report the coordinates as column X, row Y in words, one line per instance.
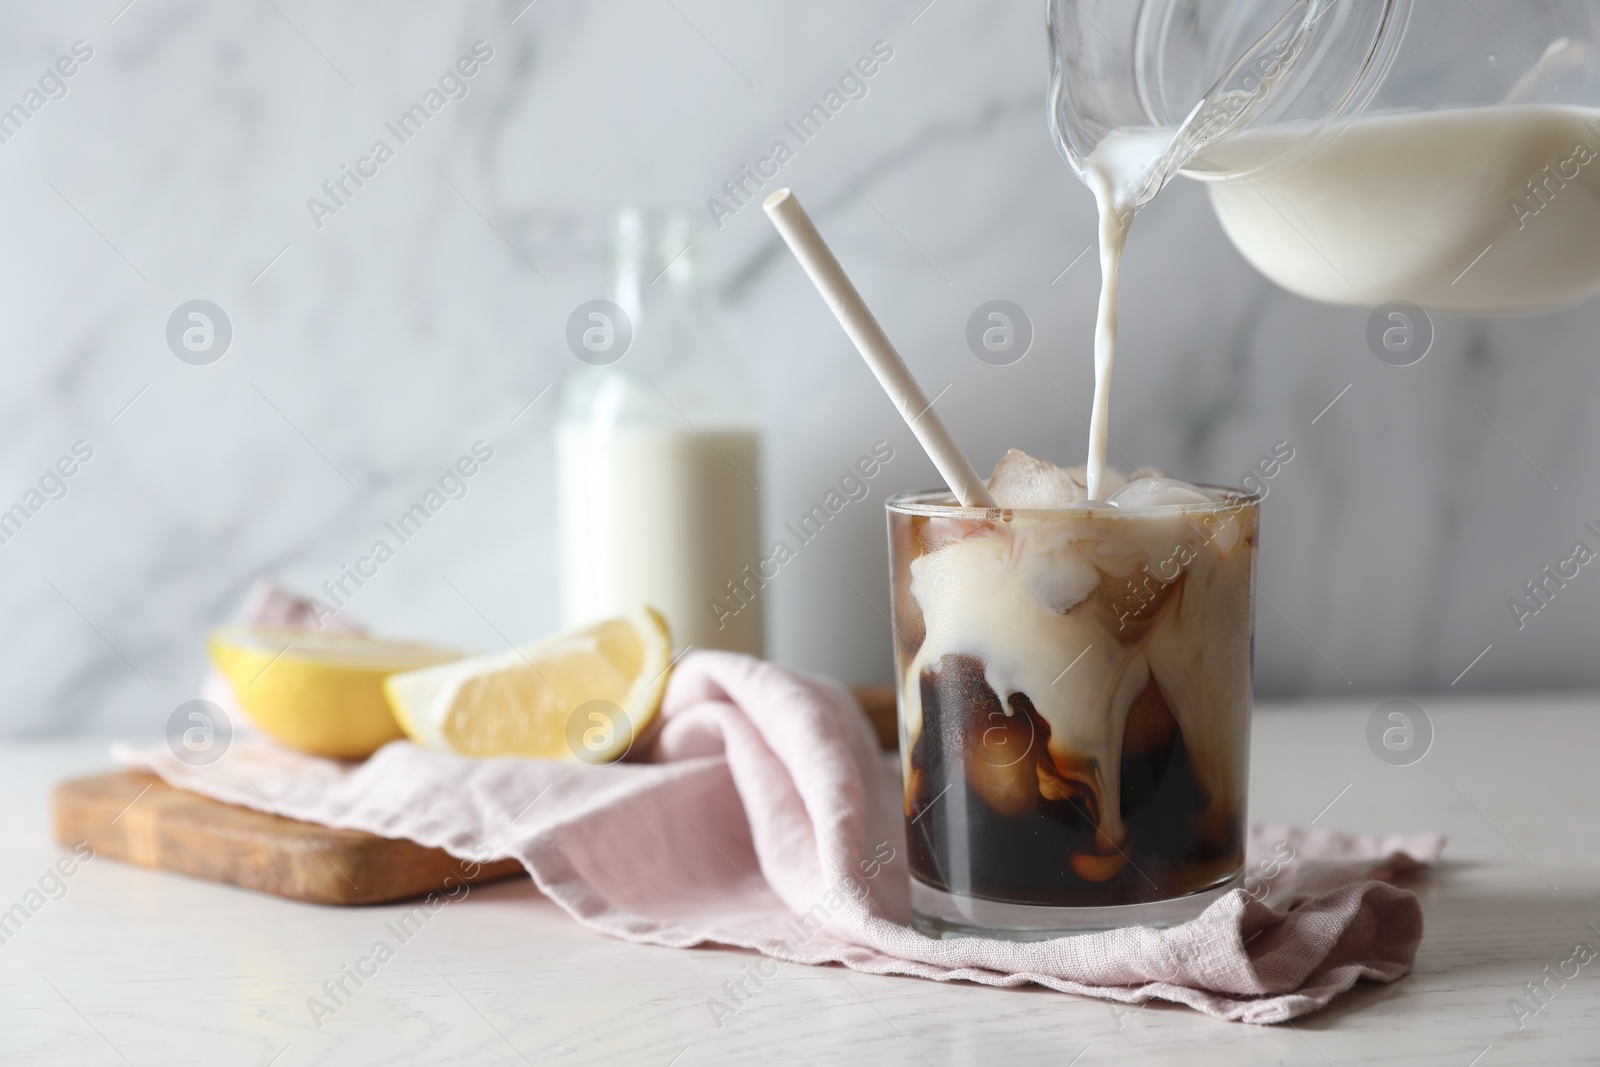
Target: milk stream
column 662, row 515
column 1113, row 238
column 1116, row 164
column 1480, row 210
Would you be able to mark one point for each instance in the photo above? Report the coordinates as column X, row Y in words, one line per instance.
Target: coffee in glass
column 1074, row 700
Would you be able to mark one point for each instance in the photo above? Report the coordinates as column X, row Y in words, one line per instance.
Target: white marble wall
column 377, row 348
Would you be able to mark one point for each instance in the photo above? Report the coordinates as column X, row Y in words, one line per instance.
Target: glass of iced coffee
column 1074, row 699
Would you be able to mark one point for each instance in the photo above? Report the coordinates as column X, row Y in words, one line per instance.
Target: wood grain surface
column 878, row 701
column 175, row 830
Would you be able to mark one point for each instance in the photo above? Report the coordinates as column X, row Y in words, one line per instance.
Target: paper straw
column 797, row 230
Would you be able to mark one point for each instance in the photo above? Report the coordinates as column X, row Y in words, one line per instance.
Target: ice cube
column 1156, row 490
column 1114, row 479
column 1066, row 583
column 1020, row 481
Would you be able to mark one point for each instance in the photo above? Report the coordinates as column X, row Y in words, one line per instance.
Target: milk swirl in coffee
column 1075, row 688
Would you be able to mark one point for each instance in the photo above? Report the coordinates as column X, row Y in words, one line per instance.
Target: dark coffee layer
column 995, row 816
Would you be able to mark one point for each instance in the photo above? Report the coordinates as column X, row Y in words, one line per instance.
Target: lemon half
column 582, row 695
column 318, row 691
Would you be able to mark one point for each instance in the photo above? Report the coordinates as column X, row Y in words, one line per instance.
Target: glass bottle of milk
column 658, row 448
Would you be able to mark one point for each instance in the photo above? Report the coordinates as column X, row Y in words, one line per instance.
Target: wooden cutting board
column 878, row 701
column 138, row 818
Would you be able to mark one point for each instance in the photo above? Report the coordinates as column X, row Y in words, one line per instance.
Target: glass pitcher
column 1441, row 152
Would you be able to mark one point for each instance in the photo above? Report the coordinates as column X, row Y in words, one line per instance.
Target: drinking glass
column 1074, row 699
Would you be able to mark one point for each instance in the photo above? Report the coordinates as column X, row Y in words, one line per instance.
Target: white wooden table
column 138, row 967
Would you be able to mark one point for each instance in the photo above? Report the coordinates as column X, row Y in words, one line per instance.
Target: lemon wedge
column 583, row 695
column 318, row 691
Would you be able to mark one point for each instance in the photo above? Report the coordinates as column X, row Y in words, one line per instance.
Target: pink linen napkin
column 767, row 818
